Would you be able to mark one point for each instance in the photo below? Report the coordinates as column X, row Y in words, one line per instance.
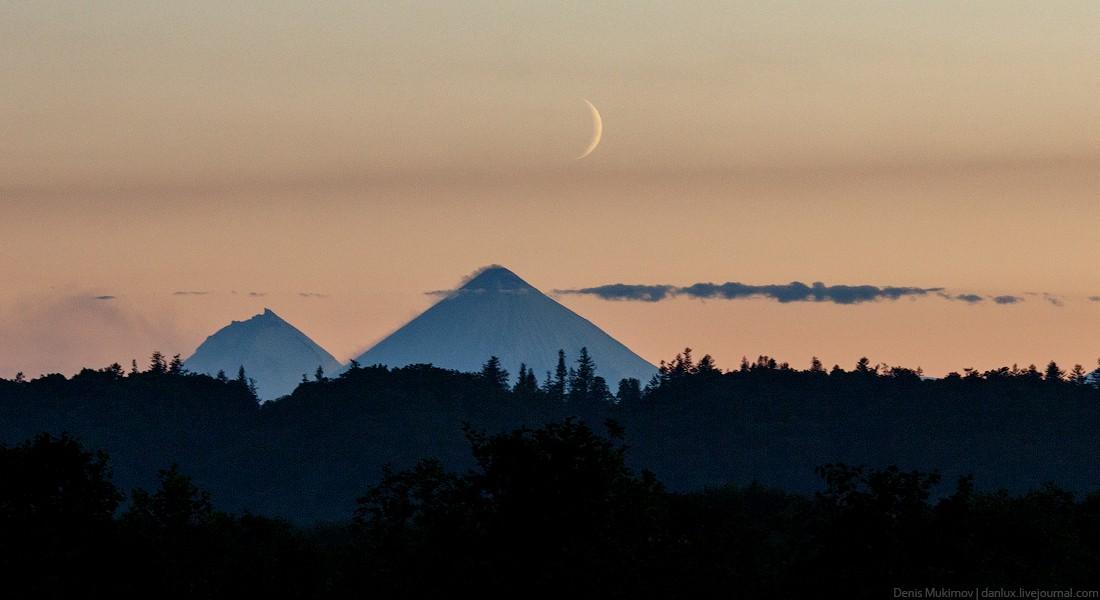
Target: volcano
column 496, row 313
column 273, row 352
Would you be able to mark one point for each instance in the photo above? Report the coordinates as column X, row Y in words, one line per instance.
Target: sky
column 165, row 169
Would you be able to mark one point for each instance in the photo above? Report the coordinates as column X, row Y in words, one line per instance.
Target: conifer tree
column 493, row 373
column 580, row 379
column 521, row 379
column 630, row 390
column 526, row 384
column 707, row 366
column 598, row 392
column 1053, row 372
column 157, row 364
column 532, row 384
column 1078, row 376
column 561, row 374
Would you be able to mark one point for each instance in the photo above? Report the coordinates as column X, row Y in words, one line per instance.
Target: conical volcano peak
column 495, row 278
column 272, row 351
column 495, row 313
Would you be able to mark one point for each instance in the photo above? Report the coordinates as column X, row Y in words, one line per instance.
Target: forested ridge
column 308, row 455
column 547, row 512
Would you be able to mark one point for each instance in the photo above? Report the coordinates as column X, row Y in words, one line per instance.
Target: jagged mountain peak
column 271, row 350
column 268, row 316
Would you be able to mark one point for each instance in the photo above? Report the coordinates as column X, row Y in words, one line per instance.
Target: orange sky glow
column 335, row 161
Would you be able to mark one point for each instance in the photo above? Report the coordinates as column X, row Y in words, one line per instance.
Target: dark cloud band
column 791, row 292
column 795, row 291
column 968, row 298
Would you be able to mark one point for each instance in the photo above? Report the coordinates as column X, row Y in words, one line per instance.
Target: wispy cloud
column 104, row 297
column 257, row 294
column 795, row 291
column 312, row 295
column 44, row 333
column 626, row 291
column 968, row 298
column 454, row 292
column 1094, row 298
column 190, row 293
column 1054, row 299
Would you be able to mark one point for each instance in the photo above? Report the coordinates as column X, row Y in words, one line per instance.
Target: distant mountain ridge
column 497, row 313
column 271, row 350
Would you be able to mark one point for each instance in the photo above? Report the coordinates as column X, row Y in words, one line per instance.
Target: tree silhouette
column 56, row 508
column 248, row 383
column 494, row 374
column 581, row 378
column 175, row 366
column 521, row 378
column 526, row 385
column 157, row 365
column 54, row 480
column 1078, row 376
column 707, row 366
column 555, row 505
column 630, row 391
column 557, row 387
column 176, row 506
column 1053, row 372
column 599, row 392
column 816, row 366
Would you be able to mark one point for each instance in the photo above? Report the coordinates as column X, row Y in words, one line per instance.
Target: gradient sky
column 365, row 154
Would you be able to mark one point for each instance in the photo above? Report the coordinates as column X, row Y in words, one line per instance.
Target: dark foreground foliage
column 307, row 456
column 552, row 511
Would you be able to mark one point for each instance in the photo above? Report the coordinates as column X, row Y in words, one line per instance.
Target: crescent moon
column 597, row 130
